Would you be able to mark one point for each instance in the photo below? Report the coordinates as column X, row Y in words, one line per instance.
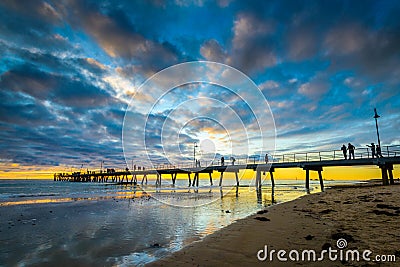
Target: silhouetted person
column 233, row 160
column 266, row 158
column 344, row 149
column 378, row 152
column 372, row 146
column 222, row 161
column 351, row 148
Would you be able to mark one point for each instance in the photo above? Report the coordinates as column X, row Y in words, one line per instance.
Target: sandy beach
column 366, row 217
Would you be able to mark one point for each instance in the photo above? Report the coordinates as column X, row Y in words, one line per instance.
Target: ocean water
column 91, row 224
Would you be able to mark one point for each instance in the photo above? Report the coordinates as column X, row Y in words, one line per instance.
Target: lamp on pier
column 376, row 116
column 194, row 153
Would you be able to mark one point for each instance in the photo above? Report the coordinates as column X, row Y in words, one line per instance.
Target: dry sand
column 368, row 217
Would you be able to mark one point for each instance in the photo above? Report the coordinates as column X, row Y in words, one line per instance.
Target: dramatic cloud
column 69, row 69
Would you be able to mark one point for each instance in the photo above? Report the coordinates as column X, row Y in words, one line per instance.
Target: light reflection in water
column 119, row 224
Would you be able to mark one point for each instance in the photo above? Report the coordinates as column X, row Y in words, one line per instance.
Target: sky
column 69, row 71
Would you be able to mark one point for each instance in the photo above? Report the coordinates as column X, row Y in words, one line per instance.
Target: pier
column 308, row 161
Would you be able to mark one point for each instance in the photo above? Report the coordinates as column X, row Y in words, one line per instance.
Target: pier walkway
column 308, row 161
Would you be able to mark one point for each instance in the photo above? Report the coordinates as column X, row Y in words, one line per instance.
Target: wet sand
column 367, row 217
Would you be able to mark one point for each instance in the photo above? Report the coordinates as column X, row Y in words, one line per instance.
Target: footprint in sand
column 327, row 211
column 337, row 236
column 263, row 219
column 262, row 211
column 384, row 212
column 309, row 237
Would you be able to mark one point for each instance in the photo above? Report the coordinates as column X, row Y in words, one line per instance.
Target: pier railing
column 359, row 153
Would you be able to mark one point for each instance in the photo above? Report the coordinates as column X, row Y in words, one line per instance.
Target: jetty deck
column 309, row 161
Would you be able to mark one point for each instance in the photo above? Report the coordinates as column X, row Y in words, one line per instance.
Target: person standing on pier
column 222, row 161
column 344, row 149
column 233, row 160
column 378, row 151
column 372, row 146
column 351, row 148
column 266, row 158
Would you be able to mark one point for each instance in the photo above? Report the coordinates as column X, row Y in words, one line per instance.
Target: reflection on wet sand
column 260, row 195
column 159, row 193
column 118, row 195
column 134, row 231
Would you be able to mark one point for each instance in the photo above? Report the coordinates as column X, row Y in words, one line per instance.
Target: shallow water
column 61, row 223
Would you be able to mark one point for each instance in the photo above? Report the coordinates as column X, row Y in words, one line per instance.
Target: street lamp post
column 101, row 166
column 194, row 153
column 376, row 124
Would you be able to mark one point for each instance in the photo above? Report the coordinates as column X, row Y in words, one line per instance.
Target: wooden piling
column 321, row 181
column 390, row 171
column 196, row 176
column 258, row 179
column 237, row 178
column 308, row 179
column 271, row 173
column 144, row 177
column 211, row 181
column 220, row 178
column 158, row 182
column 384, row 174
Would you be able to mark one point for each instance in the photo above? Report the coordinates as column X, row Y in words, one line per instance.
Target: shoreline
column 365, row 214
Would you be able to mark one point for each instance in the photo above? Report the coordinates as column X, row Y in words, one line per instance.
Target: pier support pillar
column 384, row 174
column 390, row 172
column 259, row 195
column 237, row 178
column 271, row 173
column 189, row 179
column 196, row 179
column 313, row 168
column 258, row 179
column 321, row 181
column 158, row 181
column 220, row 178
column 144, row 177
column 211, row 182
column 307, row 180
